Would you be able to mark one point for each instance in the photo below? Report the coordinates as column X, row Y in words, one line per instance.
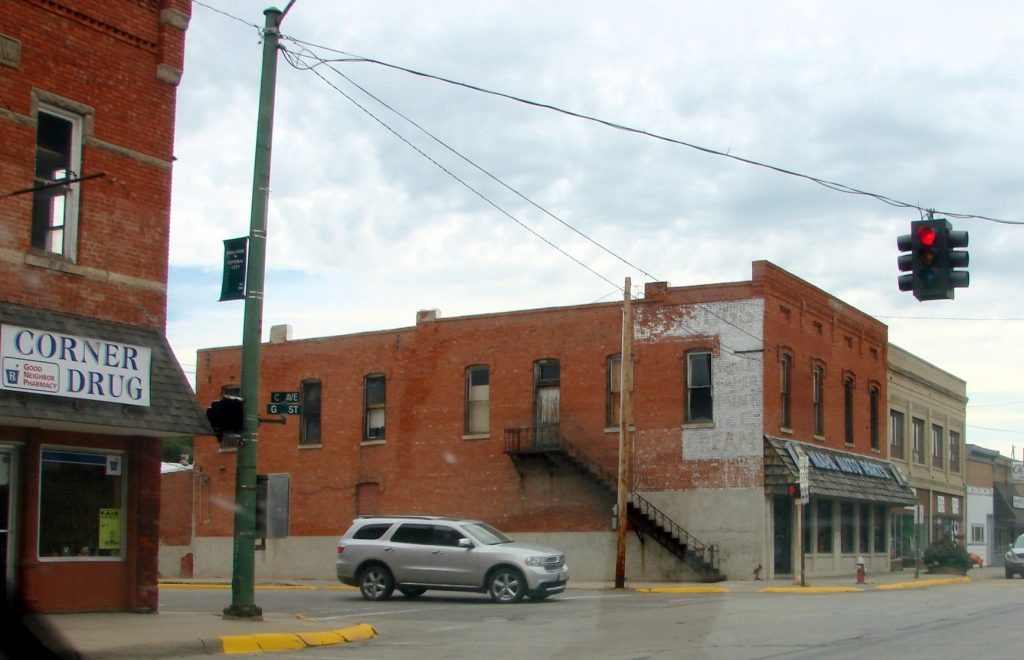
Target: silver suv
column 379, row 554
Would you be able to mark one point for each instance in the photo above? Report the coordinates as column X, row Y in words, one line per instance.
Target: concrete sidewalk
column 129, row 635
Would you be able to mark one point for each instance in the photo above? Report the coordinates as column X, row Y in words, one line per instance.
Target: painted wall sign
column 847, row 464
column 57, row 364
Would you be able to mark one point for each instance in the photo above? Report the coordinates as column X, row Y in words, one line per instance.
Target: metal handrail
column 549, row 438
column 708, row 552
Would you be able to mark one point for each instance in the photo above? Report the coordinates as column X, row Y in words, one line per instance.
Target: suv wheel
column 376, row 582
column 506, row 585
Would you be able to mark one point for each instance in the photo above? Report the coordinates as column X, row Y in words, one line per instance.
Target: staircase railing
column 545, row 439
column 703, row 552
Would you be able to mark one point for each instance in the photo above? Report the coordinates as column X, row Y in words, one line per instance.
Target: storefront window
column 880, row 529
column 865, row 528
column 81, row 505
column 824, row 526
column 846, row 514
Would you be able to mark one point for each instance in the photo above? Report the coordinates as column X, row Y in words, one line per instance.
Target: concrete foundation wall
column 590, row 555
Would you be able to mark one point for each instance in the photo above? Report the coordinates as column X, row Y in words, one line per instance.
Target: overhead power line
column 832, row 185
column 293, row 60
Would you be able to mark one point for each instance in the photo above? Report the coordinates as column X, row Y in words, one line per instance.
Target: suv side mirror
column 465, row 543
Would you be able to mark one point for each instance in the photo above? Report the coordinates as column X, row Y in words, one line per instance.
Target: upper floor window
column 699, row 405
column 374, row 397
column 937, row 446
column 818, row 399
column 896, row 442
column 954, row 451
column 873, row 417
column 848, row 409
column 918, row 439
column 478, row 399
column 785, row 367
column 58, row 160
column 309, row 431
column 613, row 391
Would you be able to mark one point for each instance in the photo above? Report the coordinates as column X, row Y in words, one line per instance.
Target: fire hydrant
column 860, row 569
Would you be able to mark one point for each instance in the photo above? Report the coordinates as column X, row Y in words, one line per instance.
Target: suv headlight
column 535, row 561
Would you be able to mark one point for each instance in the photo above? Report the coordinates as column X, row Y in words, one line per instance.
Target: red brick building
column 89, row 384
column 512, row 418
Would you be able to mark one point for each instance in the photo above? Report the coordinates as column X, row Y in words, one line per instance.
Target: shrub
column 944, row 555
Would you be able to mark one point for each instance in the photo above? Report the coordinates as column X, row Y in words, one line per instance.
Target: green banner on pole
column 233, row 285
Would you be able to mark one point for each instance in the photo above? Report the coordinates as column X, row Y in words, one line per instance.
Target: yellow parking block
column 809, row 590
column 235, row 644
column 682, row 590
column 917, row 584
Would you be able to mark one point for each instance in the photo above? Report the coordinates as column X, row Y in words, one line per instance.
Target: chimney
column 280, row 334
column 427, row 316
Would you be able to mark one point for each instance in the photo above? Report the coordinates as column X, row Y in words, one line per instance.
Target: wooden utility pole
column 625, row 420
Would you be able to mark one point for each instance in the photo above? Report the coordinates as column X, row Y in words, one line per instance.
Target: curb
column 924, row 583
column 288, row 641
column 681, row 590
column 809, row 590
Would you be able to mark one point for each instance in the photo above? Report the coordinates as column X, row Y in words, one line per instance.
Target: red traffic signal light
column 930, row 259
column 793, row 490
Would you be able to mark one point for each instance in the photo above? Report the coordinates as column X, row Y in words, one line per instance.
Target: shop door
column 783, row 515
column 7, row 475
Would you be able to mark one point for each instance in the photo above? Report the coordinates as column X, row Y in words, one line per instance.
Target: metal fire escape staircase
column 645, row 519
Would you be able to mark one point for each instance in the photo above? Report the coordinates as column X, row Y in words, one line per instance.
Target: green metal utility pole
column 243, row 589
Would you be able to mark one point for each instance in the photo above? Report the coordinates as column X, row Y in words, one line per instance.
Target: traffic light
column 931, row 261
column 226, row 416
column 794, row 491
column 957, row 259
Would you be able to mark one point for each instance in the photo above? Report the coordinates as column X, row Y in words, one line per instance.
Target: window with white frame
column 374, row 396
column 478, row 399
column 699, row 396
column 937, row 446
column 55, row 200
column 977, row 533
column 82, row 504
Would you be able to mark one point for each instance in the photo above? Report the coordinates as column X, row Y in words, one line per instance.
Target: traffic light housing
column 793, row 490
column 226, row 416
column 931, row 259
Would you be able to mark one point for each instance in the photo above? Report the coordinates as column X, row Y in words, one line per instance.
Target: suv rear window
column 371, row 532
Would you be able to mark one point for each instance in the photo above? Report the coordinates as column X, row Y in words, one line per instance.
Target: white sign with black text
column 58, row 364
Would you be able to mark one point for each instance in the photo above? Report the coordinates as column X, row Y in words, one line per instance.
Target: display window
column 82, row 505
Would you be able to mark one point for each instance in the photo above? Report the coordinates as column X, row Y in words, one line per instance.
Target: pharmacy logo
column 31, row 375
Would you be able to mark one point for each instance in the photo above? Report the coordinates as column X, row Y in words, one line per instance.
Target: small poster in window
column 110, row 529
column 113, row 466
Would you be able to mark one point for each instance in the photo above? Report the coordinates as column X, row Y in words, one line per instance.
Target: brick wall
column 706, row 476
column 105, row 59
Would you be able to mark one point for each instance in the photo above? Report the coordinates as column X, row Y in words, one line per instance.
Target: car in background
column 1015, row 558
column 412, row 554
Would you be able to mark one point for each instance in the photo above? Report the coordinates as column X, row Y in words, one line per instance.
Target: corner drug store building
column 83, row 405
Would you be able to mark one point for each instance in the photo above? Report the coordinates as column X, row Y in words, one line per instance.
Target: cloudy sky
column 487, row 204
